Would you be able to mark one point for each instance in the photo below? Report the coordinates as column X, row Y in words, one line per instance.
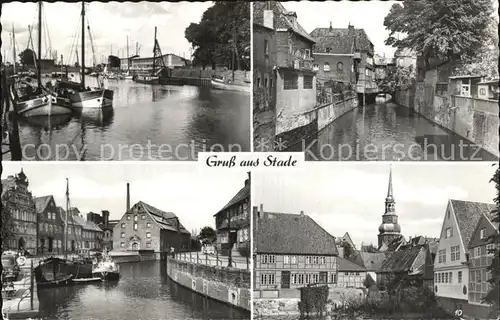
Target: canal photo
column 118, row 241
column 125, row 81
column 377, row 241
column 348, row 80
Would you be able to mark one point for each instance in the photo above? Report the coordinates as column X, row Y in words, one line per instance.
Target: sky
column 367, row 15
column 110, row 24
column 350, row 197
column 194, row 196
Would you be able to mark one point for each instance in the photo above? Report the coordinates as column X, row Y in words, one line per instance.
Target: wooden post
column 32, row 287
column 206, row 259
column 190, row 258
column 197, row 257
column 14, row 140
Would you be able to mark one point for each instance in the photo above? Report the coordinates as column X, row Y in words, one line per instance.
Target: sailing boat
column 128, row 76
column 82, row 97
column 54, row 272
column 30, row 100
column 153, row 78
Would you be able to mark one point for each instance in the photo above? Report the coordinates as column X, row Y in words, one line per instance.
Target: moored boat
column 147, row 79
column 221, row 85
column 106, row 268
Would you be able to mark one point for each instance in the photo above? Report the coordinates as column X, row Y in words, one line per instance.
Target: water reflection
column 388, row 131
column 167, row 122
column 143, row 292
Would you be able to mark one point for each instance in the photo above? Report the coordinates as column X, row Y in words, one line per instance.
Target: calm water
column 147, row 122
column 143, row 293
column 388, row 131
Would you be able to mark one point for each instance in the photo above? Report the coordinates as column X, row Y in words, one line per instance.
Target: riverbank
column 20, row 298
column 231, row 286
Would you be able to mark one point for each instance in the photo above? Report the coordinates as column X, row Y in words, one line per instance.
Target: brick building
column 17, row 201
column 291, row 251
column 91, row 234
column 264, row 78
column 345, row 55
column 145, row 64
column 480, row 257
column 74, row 230
column 295, row 80
column 50, row 226
column 236, row 233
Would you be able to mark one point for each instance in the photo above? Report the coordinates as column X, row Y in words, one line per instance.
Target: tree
column 222, row 35
column 7, row 226
column 442, row 29
column 399, row 78
column 493, row 296
column 207, row 235
column 27, row 57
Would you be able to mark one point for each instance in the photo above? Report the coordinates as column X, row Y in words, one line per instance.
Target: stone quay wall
column 471, row 118
column 306, row 125
column 231, row 286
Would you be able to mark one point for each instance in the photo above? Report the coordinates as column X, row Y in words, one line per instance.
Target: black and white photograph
column 377, row 241
column 377, row 80
column 124, row 242
column 96, row 81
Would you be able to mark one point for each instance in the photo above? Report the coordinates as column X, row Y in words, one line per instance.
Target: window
column 135, row 218
column 267, row 279
column 122, row 244
column 455, row 253
column 315, row 67
column 442, row 256
column 481, row 233
column 268, row 258
column 328, row 50
column 459, row 276
column 265, row 82
column 135, row 226
column 294, row 278
column 340, row 67
column 322, row 260
column 123, row 234
column 448, row 233
column 451, row 277
column 326, row 67
column 308, row 82
column 143, row 217
column 301, row 279
column 148, row 234
column 123, row 225
column 266, row 47
column 128, row 217
column 290, row 81
column 148, row 244
column 315, row 278
column 446, row 277
column 489, row 249
column 307, row 54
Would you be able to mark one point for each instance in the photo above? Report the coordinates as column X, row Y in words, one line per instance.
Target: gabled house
column 372, row 261
column 345, row 55
column 350, row 274
column 481, row 254
column 74, row 230
column 50, row 226
column 451, row 269
column 291, row 251
column 411, row 264
column 232, row 222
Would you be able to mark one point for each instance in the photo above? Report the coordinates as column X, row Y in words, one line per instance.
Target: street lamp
column 230, row 258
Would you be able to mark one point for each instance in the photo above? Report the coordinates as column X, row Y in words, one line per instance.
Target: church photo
column 381, row 232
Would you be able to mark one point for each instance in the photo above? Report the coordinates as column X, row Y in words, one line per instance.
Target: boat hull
column 147, row 80
column 110, row 276
column 54, row 272
column 41, row 105
column 229, row 87
column 94, row 99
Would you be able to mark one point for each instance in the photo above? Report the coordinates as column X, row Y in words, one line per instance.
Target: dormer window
column 482, row 233
column 326, row 67
column 307, row 54
column 315, row 67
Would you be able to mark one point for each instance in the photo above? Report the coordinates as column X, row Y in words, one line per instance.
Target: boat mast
column 128, row 61
column 154, row 55
column 65, row 245
column 14, row 47
column 83, row 45
column 39, row 69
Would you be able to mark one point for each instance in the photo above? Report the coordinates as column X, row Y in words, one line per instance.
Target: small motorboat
column 87, row 280
column 106, row 268
column 221, row 84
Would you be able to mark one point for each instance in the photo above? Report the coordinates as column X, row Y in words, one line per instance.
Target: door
column 285, row 279
column 73, row 245
column 51, row 244
column 323, row 277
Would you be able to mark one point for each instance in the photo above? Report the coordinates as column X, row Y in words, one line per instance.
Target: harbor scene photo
column 75, row 88
column 124, row 241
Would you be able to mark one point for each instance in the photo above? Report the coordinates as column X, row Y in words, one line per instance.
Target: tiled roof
column 433, row 243
column 284, row 233
column 62, row 213
column 161, row 217
column 393, row 245
column 339, row 41
column 243, row 194
column 346, row 265
column 373, row 260
column 41, row 203
column 467, row 214
column 401, row 261
column 282, row 17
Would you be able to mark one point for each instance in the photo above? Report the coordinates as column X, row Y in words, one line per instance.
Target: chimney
column 255, row 218
column 128, row 197
column 301, row 213
column 331, row 28
column 247, row 181
column 105, row 217
column 292, row 17
column 269, row 19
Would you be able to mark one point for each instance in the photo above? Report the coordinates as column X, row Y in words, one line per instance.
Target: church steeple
column 390, row 228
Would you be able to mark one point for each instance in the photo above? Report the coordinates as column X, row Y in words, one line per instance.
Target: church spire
column 389, row 189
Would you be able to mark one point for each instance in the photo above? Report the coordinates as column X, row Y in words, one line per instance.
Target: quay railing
column 209, row 259
column 18, row 290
